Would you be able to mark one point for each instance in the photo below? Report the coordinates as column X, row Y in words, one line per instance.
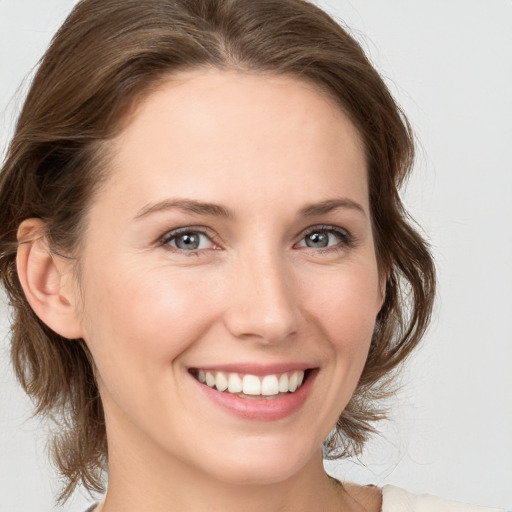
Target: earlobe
column 46, row 280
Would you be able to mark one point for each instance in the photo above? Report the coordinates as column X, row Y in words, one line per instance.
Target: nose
column 263, row 304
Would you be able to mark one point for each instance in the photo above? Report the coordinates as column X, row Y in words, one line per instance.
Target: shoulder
column 368, row 496
column 395, row 499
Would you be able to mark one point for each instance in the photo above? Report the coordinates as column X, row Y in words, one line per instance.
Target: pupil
column 317, row 240
column 188, row 241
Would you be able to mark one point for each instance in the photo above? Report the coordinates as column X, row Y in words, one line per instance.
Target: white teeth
column 210, row 379
column 234, row 383
column 221, row 383
column 293, row 382
column 283, row 383
column 268, row 385
column 251, row 385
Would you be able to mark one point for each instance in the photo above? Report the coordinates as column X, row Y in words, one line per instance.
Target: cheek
column 142, row 321
column 347, row 301
column 345, row 309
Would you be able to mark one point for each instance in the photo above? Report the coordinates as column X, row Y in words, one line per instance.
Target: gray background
column 449, row 63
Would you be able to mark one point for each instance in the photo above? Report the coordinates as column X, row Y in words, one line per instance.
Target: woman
column 206, row 253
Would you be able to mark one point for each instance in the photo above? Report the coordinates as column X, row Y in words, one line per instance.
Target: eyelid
column 173, row 233
column 325, row 227
column 347, row 239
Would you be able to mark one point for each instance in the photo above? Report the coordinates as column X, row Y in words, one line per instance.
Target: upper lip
column 256, row 368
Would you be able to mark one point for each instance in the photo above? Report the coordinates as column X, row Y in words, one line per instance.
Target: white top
column 395, row 499
column 398, row 500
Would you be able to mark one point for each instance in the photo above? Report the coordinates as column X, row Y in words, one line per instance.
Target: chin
column 262, row 464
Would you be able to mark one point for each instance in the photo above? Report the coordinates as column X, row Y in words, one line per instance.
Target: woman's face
column 231, row 243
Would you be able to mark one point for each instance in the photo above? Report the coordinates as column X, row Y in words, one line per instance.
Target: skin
column 263, row 148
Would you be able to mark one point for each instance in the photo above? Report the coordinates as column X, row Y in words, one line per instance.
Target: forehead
column 234, row 131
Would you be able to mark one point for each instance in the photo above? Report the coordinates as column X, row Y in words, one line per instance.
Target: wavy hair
column 105, row 58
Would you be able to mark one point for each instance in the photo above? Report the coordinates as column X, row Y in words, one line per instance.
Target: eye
column 326, row 237
column 188, row 240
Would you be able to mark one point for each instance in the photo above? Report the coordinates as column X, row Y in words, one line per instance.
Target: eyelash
column 346, row 240
column 175, row 233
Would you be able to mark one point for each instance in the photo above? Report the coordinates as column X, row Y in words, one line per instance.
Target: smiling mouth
column 252, row 386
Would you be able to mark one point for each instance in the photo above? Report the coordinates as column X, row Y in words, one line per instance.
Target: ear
column 47, row 280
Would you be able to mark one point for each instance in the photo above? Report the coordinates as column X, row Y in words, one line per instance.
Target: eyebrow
column 216, row 210
column 329, row 205
column 187, row 205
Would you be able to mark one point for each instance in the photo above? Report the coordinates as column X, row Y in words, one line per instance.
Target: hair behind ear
column 52, row 363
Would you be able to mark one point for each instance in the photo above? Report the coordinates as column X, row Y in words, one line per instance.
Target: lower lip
column 264, row 409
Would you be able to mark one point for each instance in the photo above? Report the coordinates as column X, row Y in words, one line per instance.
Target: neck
column 146, row 479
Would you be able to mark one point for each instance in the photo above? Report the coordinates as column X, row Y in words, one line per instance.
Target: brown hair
column 106, row 56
